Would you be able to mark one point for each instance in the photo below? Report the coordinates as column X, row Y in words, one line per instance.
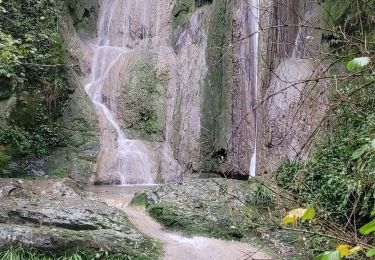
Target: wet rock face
column 57, row 215
column 295, row 108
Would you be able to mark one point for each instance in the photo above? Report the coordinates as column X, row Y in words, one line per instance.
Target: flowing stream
column 176, row 246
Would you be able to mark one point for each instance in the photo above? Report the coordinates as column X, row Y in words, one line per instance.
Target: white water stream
column 121, row 160
column 254, row 32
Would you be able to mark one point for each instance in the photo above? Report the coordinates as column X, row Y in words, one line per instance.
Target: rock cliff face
column 188, row 89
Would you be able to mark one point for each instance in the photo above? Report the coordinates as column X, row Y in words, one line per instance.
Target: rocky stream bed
column 59, row 216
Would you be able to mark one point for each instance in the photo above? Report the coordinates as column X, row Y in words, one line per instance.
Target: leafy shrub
column 34, row 66
column 334, row 177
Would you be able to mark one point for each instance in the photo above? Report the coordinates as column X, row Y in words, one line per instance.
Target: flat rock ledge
column 58, row 216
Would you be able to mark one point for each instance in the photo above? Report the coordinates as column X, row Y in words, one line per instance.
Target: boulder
column 58, row 216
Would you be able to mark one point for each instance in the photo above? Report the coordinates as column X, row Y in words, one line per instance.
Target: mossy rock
column 216, row 91
column 84, row 14
column 202, row 207
column 144, row 96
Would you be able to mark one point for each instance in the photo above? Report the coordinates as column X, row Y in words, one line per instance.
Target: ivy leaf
column 371, row 252
column 329, row 255
column 368, row 228
column 357, row 64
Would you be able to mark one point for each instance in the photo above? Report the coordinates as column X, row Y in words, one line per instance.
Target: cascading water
column 254, row 33
column 121, row 160
column 305, row 33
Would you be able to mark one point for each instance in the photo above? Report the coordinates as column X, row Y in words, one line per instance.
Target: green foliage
column 32, row 254
column 357, row 64
column 11, row 53
column 370, row 252
column 335, row 11
column 260, row 198
column 21, row 143
column 337, row 177
column 353, row 21
column 332, row 255
column 34, row 68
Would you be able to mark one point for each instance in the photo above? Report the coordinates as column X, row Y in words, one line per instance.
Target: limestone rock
column 57, row 215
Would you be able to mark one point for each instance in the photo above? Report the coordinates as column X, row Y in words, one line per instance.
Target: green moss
column 197, row 224
column 140, row 200
column 176, row 137
column 60, row 172
column 145, row 99
column 4, row 161
column 216, row 108
column 219, row 217
column 77, row 154
column 181, row 12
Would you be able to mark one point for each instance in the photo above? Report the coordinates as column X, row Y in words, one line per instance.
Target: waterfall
column 254, row 33
column 121, row 160
column 301, row 49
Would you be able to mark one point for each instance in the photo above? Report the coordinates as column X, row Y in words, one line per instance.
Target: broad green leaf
column 330, row 255
column 297, row 214
column 371, row 252
column 309, row 214
column 368, row 228
column 359, row 152
column 358, row 63
column 373, row 143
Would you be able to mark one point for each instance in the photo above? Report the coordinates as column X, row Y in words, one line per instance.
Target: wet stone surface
column 57, row 215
